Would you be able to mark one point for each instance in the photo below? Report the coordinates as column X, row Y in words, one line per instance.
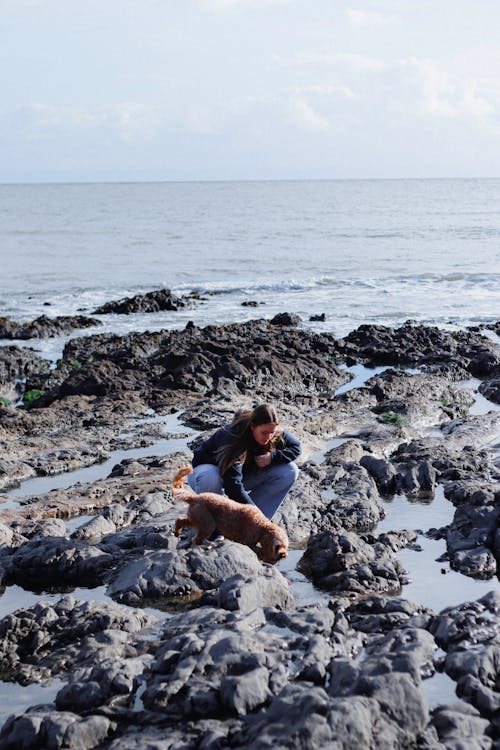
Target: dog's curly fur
column 238, row 522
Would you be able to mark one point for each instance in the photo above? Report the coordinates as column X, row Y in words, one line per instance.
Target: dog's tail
column 178, row 490
column 180, row 475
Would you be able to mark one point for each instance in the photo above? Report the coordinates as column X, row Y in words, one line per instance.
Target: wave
column 491, row 280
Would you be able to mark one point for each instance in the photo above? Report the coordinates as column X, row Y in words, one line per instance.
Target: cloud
column 367, row 18
column 304, row 116
column 442, row 93
column 129, row 120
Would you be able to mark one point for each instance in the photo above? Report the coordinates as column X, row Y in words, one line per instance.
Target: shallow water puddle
column 432, row 583
column 165, row 446
column 16, row 699
column 361, row 375
column 302, row 590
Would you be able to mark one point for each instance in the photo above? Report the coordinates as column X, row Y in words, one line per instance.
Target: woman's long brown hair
column 235, row 451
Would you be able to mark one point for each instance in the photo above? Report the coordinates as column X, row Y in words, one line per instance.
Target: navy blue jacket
column 288, row 448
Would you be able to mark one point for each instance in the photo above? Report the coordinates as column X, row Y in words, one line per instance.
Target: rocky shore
column 208, row 648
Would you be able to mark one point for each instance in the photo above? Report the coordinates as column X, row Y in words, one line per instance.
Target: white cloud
column 129, row 120
column 367, row 18
column 447, row 94
column 304, row 116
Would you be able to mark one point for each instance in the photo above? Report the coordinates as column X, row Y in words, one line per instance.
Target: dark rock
column 458, row 726
column 49, row 639
column 380, row 614
column 186, row 574
column 18, row 363
column 286, row 319
column 44, row 327
column 345, row 562
column 55, row 561
column 51, row 730
column 231, row 362
column 469, row 635
column 382, row 471
column 318, row 318
column 112, row 679
column 161, row 299
column 414, row 345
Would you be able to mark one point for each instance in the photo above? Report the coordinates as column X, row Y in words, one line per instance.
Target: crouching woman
column 251, row 460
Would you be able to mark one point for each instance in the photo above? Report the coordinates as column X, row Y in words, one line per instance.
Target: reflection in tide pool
column 19, row 698
column 432, row 582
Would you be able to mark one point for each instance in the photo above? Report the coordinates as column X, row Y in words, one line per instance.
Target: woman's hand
column 263, row 460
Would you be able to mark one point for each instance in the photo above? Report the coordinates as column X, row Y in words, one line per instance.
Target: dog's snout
column 282, row 554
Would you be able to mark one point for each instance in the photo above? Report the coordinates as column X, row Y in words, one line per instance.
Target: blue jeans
column 267, row 487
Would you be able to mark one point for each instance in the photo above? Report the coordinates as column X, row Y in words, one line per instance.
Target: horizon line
column 14, row 183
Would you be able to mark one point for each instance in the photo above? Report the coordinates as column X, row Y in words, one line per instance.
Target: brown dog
column 241, row 523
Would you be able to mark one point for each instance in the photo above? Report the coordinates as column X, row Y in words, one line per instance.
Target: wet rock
column 49, row 639
column 346, row 562
column 379, row 614
column 490, row 389
column 18, row 363
column 40, row 729
column 160, row 299
column 249, row 358
column 470, row 634
column 415, row 345
column 320, row 318
column 44, row 327
column 55, row 561
column 470, row 540
column 286, row 319
column 350, row 499
column 382, row 471
column 187, row 573
column 459, row 726
column 245, row 593
column 112, row 680
column 232, row 668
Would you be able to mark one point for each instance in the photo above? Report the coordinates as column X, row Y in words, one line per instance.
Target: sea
column 357, row 251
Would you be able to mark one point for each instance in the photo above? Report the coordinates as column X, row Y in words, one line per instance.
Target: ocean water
column 360, row 251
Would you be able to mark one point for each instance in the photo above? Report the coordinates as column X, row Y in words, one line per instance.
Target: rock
column 185, row 574
column 415, row 345
column 161, row 299
column 44, row 327
column 111, row 680
column 246, row 593
column 344, row 562
column 18, row 363
column 251, row 358
column 470, row 636
column 47, row 639
column 286, row 319
column 51, row 561
column 380, row 614
column 382, row 471
column 52, row 730
column 460, row 726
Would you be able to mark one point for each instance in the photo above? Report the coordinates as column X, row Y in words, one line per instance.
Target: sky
column 123, row 90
